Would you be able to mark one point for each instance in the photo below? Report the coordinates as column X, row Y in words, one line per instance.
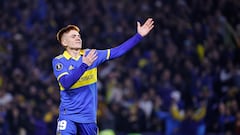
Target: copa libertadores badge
column 59, row 66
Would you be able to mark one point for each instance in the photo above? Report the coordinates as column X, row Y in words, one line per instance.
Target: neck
column 74, row 52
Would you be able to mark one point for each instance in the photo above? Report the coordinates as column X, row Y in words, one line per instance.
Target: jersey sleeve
column 125, row 47
column 107, row 54
column 103, row 55
column 67, row 78
column 59, row 68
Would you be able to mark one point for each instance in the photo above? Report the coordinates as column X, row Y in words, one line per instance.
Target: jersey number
column 62, row 125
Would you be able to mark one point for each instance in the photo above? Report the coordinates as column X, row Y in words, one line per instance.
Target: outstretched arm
column 142, row 30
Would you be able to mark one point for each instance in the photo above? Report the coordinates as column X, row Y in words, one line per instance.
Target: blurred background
column 182, row 79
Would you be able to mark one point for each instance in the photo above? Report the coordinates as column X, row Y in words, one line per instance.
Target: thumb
column 138, row 24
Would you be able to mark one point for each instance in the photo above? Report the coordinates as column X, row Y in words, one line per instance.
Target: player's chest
column 72, row 64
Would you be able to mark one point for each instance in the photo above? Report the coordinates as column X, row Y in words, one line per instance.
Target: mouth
column 78, row 43
column 75, row 49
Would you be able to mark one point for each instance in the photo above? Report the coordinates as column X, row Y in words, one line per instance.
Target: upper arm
column 59, row 68
column 103, row 55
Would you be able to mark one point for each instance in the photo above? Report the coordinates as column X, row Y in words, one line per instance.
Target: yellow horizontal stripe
column 89, row 77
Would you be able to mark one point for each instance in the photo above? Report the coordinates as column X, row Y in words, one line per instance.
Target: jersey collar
column 68, row 56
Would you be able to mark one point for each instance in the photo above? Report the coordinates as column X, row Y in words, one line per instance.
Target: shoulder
column 58, row 62
column 59, row 56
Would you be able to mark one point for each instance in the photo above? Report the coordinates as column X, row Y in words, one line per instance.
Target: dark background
column 193, row 49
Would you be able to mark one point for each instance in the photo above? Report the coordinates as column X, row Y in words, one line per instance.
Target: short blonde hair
column 66, row 30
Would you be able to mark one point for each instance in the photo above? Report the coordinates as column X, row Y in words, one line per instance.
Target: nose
column 78, row 37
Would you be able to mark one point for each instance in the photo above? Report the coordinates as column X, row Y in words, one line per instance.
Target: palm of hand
column 146, row 27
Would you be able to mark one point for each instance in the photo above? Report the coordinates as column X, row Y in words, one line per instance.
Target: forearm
column 124, row 47
column 68, row 80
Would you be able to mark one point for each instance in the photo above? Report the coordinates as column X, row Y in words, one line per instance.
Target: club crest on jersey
column 59, row 66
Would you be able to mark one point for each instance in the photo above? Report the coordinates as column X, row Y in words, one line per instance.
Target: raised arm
column 142, row 30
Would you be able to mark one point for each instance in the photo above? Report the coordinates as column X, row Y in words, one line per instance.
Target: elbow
column 65, row 86
column 64, row 83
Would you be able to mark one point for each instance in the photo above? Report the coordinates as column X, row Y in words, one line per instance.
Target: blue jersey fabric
column 78, row 103
column 78, row 82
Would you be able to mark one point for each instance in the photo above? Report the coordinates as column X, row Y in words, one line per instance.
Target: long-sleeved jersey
column 78, row 81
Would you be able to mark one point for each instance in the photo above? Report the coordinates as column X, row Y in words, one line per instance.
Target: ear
column 64, row 42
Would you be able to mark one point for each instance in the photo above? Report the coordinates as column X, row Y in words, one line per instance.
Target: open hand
column 146, row 27
column 90, row 57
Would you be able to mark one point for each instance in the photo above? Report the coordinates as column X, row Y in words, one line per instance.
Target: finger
column 148, row 22
column 151, row 23
column 92, row 51
column 93, row 55
column 151, row 27
column 138, row 24
column 94, row 58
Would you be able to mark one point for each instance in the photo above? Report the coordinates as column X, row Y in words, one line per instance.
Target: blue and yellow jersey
column 81, row 98
column 78, row 94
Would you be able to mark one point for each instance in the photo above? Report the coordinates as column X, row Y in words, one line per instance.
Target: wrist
column 138, row 35
column 84, row 65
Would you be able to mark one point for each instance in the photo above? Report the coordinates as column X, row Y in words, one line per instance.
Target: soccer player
column 76, row 73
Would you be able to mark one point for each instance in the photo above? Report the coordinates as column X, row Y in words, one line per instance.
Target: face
column 72, row 40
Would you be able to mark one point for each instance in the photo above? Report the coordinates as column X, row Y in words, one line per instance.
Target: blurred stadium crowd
column 182, row 79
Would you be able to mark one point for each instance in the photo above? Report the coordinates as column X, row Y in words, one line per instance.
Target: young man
column 76, row 73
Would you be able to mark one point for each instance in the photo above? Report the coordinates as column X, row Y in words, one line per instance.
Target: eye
column 74, row 36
